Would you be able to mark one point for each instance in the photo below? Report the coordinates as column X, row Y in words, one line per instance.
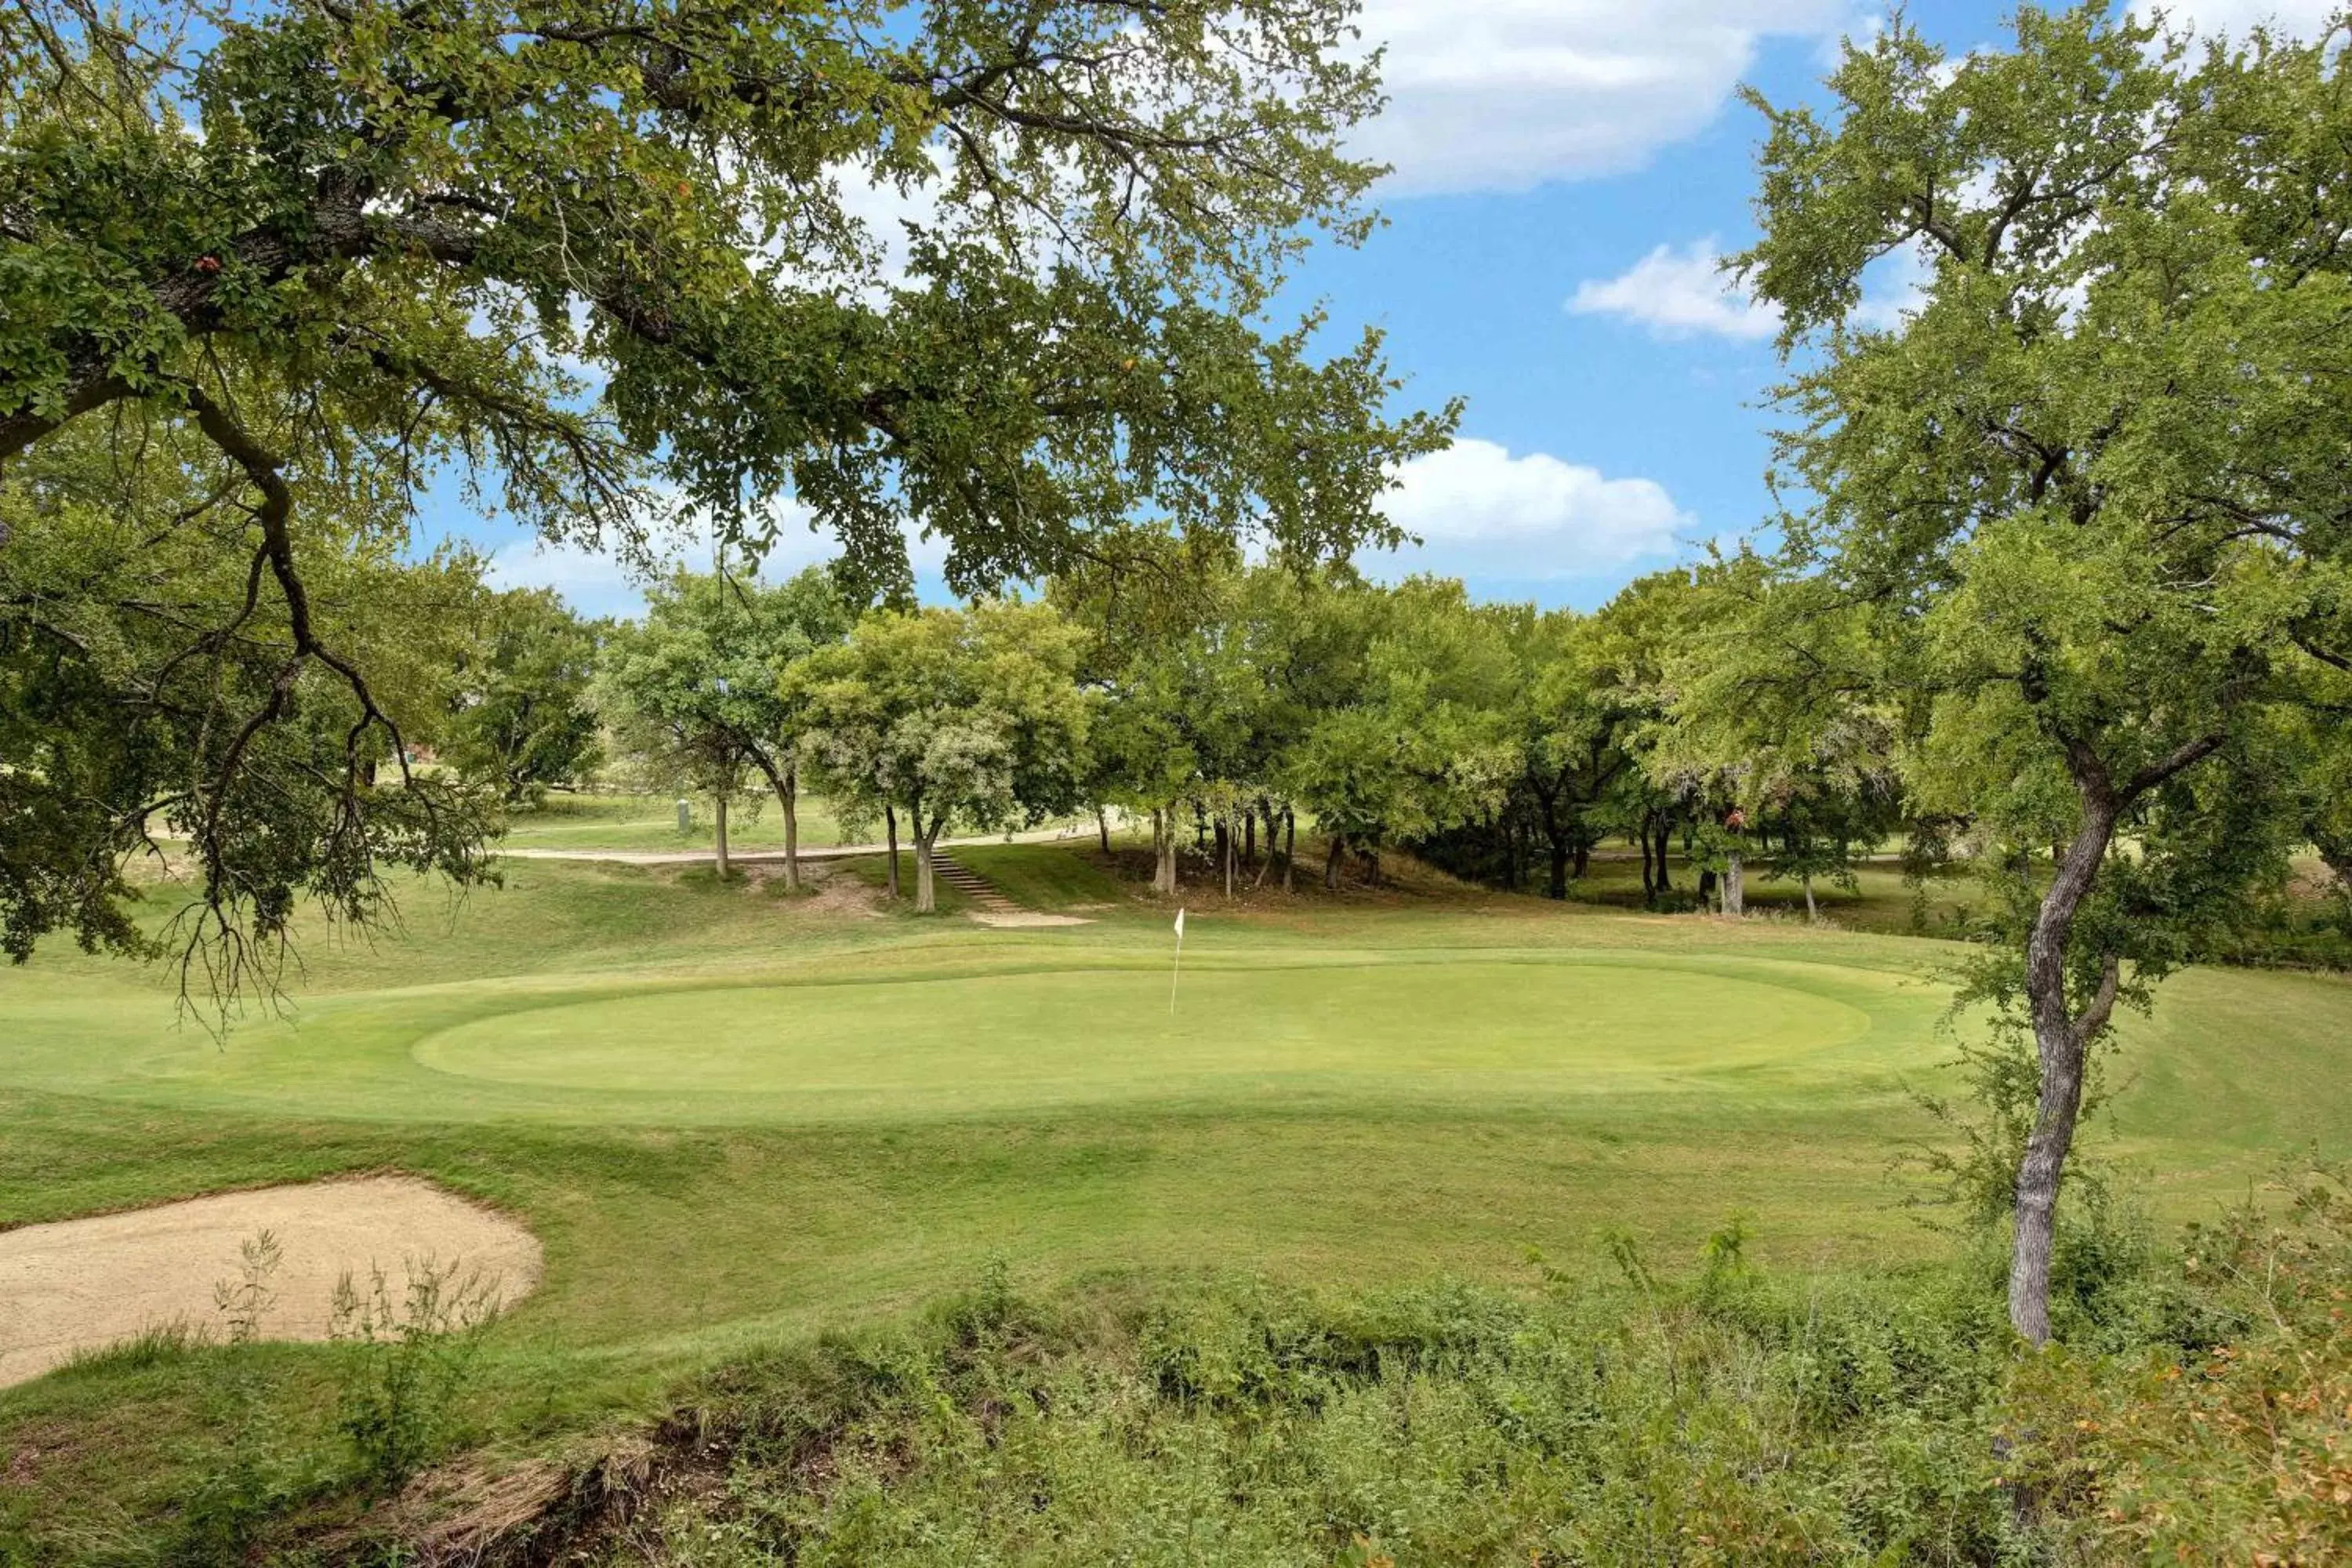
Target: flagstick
column 1174, row 973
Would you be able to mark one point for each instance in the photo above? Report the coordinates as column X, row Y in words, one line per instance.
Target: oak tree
column 2089, row 487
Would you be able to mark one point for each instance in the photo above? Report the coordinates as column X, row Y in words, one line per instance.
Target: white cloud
column 1685, row 294
column 591, row 581
column 1507, row 94
column 1482, row 512
column 598, row 583
column 1679, row 294
column 2297, row 18
column 1503, row 95
column 884, row 209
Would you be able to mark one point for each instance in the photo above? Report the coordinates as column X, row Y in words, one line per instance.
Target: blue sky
column 1565, row 170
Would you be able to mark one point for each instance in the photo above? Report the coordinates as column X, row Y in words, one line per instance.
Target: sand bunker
column 85, row 1284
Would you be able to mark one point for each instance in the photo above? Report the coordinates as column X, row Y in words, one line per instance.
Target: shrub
column 1731, row 1419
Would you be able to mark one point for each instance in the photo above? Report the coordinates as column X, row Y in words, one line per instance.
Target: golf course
column 1175, row 783
column 735, row 1119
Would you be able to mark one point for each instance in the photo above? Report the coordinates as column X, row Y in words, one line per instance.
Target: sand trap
column 1024, row 920
column 84, row 1284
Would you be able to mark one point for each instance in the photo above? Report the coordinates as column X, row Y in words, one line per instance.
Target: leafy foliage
column 2220, row 1451
column 301, row 259
column 2083, row 505
column 955, row 715
column 152, row 689
column 524, row 718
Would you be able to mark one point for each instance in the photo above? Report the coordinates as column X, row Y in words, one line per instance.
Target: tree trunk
column 1289, row 849
column 1584, row 861
column 1707, row 880
column 1558, row 889
column 926, row 892
column 1812, row 909
column 1225, row 833
column 1331, row 863
column 1163, row 851
column 1735, row 887
column 789, row 795
column 719, row 828
column 890, row 818
column 1665, row 845
column 1102, row 827
column 1649, row 883
column 2060, row 1039
column 1249, row 835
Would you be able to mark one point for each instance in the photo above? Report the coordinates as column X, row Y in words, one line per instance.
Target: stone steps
column 978, row 888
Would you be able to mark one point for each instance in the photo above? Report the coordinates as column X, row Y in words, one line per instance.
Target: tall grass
column 1614, row 1415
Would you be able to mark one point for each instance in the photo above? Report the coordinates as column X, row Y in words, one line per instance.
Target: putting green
column 1090, row 1034
column 1006, row 1029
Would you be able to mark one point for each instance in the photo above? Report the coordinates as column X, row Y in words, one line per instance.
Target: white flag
column 1178, row 967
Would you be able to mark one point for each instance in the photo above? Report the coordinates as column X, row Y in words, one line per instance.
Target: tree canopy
column 523, row 717
column 948, row 715
column 153, row 700
column 694, row 692
column 604, row 264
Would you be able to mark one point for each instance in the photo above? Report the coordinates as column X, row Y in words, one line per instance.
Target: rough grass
column 708, row 1227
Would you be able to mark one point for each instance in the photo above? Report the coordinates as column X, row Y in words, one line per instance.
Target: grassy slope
column 670, row 1245
column 650, row 822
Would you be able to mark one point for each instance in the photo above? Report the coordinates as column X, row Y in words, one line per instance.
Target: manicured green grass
column 650, row 822
column 737, row 1116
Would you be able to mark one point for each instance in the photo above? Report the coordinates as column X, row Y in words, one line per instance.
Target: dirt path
column 85, row 1284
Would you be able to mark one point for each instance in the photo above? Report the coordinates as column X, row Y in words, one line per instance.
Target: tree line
column 1211, row 699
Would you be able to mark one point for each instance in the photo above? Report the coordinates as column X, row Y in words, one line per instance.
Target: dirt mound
column 83, row 1284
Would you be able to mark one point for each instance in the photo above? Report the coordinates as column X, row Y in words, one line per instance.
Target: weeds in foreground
column 244, row 1304
column 151, row 1346
column 2239, row 1449
column 416, row 1355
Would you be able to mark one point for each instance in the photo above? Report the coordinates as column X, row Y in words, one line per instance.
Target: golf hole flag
column 1179, row 970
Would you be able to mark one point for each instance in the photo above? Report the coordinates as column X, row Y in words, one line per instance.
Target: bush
column 1618, row 1412
column 1727, row 1420
column 2236, row 1452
